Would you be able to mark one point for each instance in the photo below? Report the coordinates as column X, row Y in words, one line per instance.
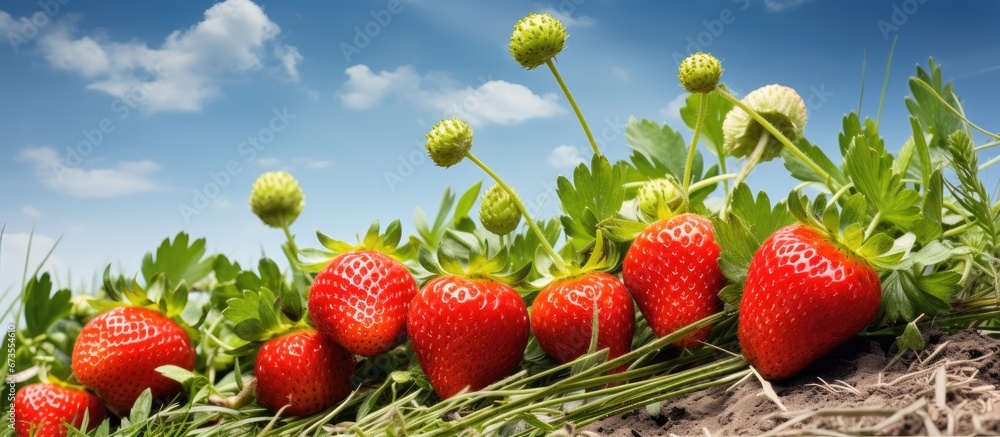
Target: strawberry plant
column 662, row 275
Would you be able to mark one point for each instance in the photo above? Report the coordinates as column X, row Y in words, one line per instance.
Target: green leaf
column 750, row 223
column 521, row 248
column 178, row 261
column 254, row 315
column 596, row 193
column 41, row 308
column 711, row 128
column 803, row 172
column 175, row 373
column 905, row 296
column 621, row 230
column 141, row 407
column 928, row 110
column 870, row 168
column 659, row 143
column 970, row 192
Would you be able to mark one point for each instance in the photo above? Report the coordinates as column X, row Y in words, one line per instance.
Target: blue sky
column 183, row 90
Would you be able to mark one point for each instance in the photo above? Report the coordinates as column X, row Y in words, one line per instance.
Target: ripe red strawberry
column 360, row 301
column 562, row 316
column 117, row 353
column 42, row 410
column 672, row 271
column 303, row 370
column 804, row 296
column 467, row 332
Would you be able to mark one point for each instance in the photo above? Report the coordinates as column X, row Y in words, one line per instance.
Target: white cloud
column 30, row 211
column 312, row 164
column 7, row 23
column 621, row 73
column 290, row 58
column 781, row 5
column 365, row 89
column 268, row 162
column 127, row 177
column 14, row 247
column 495, row 101
column 569, row 20
column 185, row 71
column 565, row 157
column 673, row 109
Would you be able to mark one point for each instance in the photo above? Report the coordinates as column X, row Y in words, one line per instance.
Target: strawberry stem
column 873, row 225
column 293, row 249
column 752, row 161
column 576, row 109
column 702, row 109
column 781, row 137
column 556, row 259
column 709, row 181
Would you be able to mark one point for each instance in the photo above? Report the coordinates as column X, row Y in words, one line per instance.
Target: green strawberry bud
column 660, row 199
column 537, row 38
column 699, row 73
column 277, row 199
column 779, row 105
column 497, row 211
column 448, row 141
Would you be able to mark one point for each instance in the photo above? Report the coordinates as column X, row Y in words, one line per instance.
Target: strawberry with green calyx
column 117, row 352
column 811, row 286
column 361, row 297
column 297, row 371
column 585, row 310
column 744, row 137
column 536, row 40
column 572, row 296
column 46, row 409
column 468, row 327
column 672, row 268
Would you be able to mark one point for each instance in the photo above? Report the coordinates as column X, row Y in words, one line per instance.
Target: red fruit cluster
column 804, row 296
column 42, row 410
column 672, row 271
column 117, row 353
column 303, row 373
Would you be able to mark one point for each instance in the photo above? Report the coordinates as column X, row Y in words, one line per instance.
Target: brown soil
column 950, row 388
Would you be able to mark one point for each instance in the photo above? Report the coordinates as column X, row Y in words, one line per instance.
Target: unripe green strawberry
column 277, row 199
column 497, row 211
column 699, row 73
column 303, row 371
column 537, row 38
column 779, row 105
column 42, row 410
column 448, row 141
column 660, row 199
column 805, row 295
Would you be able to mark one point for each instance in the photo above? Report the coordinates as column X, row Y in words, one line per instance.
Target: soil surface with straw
column 949, row 388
